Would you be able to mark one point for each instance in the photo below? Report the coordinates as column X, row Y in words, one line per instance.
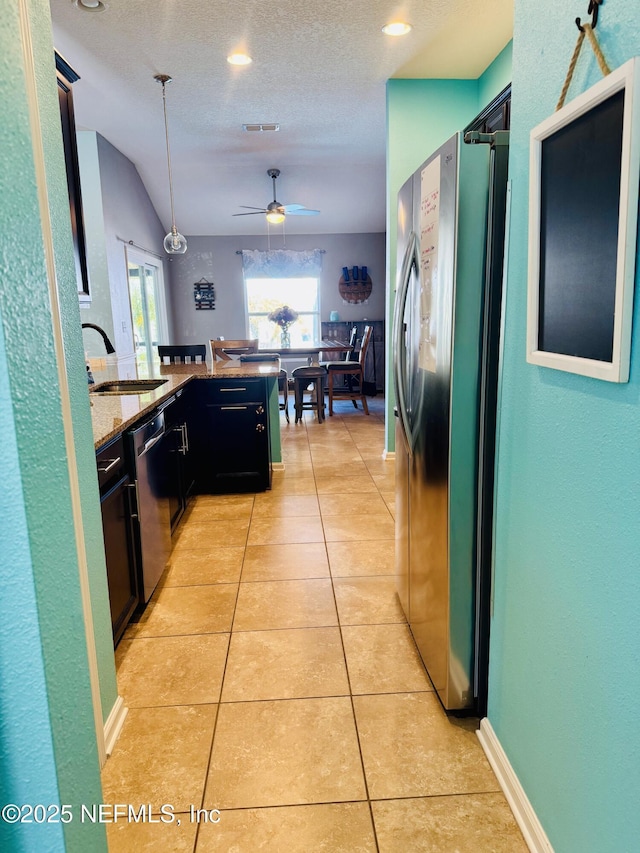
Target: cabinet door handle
column 180, row 428
column 186, row 438
column 233, row 389
column 134, row 486
column 233, row 408
column 111, row 465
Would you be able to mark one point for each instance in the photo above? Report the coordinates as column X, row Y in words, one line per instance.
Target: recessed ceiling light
column 398, row 28
column 90, row 5
column 239, row 59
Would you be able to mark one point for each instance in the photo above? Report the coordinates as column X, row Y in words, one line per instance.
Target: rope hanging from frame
column 585, row 29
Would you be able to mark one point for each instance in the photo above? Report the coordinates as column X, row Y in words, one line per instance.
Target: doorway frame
column 144, row 257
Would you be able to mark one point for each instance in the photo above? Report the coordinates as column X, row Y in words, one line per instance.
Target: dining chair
column 225, row 350
column 178, row 354
column 350, row 370
column 283, row 376
column 353, row 336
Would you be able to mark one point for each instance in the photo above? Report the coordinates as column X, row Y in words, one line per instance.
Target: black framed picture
column 583, row 217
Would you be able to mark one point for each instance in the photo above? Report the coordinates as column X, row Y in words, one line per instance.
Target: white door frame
column 138, row 256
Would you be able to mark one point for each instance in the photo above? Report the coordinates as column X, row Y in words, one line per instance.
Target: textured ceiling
column 319, row 70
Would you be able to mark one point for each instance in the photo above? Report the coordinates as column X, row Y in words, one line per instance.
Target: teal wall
column 421, row 115
column 47, row 732
column 74, row 360
column 564, row 670
column 27, row 762
column 495, row 77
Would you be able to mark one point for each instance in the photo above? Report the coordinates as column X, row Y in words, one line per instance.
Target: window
column 266, row 294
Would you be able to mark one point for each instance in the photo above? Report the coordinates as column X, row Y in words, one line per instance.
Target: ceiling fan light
column 397, row 28
column 239, row 59
column 275, row 217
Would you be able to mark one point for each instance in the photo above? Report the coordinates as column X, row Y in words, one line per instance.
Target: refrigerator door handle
column 411, row 259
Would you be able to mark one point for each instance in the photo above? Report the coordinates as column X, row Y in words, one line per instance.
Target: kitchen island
column 113, row 413
column 167, row 433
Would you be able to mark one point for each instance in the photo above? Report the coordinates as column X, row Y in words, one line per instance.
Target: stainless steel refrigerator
column 451, row 215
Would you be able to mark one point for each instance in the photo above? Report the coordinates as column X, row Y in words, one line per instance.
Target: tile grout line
column 353, row 710
column 224, row 672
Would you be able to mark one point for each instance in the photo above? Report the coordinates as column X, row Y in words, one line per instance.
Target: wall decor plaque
column 355, row 284
column 204, row 295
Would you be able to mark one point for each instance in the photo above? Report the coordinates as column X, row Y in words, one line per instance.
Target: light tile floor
column 273, row 677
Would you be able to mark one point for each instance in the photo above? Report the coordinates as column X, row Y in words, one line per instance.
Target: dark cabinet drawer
column 111, row 463
column 225, row 391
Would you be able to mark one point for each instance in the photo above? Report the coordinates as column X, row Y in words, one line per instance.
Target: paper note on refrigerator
column 429, row 228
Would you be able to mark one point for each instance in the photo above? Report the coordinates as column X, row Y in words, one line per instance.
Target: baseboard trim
column 526, row 818
column 113, row 725
column 388, row 455
column 277, row 466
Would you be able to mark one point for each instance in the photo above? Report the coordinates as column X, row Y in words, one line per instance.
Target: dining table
column 310, row 350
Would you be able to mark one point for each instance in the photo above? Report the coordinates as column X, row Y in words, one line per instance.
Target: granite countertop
column 113, row 413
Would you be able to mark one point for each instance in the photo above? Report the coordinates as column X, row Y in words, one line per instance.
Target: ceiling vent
column 261, row 128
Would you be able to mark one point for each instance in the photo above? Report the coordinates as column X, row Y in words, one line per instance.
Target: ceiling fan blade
column 275, row 207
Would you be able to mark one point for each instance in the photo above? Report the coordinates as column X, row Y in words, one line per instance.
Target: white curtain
column 281, row 263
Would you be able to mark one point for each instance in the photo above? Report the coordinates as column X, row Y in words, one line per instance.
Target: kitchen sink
column 128, row 386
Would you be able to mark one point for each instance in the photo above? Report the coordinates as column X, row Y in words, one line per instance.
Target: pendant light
column 174, row 242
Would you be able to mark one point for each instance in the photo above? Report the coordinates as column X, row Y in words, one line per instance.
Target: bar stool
column 303, row 377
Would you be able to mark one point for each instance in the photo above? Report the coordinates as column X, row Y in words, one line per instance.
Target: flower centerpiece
column 284, row 317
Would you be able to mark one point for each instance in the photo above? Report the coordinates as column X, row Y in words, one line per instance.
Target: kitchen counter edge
column 113, row 414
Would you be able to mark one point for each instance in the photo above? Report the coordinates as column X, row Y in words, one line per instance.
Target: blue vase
column 285, row 338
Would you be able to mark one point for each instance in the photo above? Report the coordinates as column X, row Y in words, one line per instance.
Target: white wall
column 116, row 209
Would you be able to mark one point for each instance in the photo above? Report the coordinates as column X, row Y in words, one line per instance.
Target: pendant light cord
column 166, row 135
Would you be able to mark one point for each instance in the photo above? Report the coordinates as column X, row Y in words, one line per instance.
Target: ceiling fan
column 275, row 211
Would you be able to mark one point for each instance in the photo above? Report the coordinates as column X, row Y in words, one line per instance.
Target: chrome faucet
column 108, row 345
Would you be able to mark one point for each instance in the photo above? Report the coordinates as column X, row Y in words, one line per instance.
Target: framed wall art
column 583, row 217
column 204, row 295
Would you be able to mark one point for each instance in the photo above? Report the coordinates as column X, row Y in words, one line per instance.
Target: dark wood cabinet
column 66, row 78
column 230, row 439
column 215, row 441
column 180, row 463
column 115, row 502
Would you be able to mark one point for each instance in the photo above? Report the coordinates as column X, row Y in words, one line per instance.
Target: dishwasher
column 149, row 451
